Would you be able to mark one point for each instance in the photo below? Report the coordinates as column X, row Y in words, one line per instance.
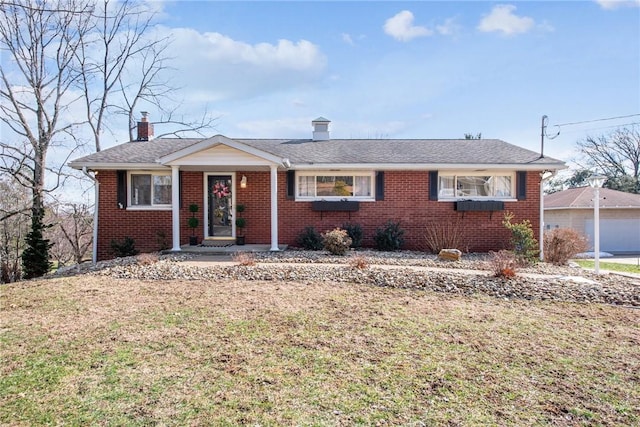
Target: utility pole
column 543, row 133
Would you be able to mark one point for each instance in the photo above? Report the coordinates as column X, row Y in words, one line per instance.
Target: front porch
column 222, row 250
column 232, row 176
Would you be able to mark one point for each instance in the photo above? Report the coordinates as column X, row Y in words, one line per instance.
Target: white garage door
column 616, row 235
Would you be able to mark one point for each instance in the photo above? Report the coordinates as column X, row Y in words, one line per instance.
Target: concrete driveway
column 623, row 259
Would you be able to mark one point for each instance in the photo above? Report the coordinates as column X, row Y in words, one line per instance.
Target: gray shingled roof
column 582, row 198
column 137, row 151
column 346, row 151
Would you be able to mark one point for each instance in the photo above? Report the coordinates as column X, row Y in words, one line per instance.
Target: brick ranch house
column 145, row 187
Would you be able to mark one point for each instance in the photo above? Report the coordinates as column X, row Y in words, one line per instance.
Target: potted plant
column 193, row 224
column 241, row 223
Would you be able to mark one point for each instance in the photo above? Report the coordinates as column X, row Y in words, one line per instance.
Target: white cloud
column 351, row 39
column 617, row 4
column 401, row 27
column 449, row 27
column 214, row 67
column 347, row 39
column 504, row 20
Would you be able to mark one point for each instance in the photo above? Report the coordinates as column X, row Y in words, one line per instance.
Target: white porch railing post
column 175, row 207
column 274, row 208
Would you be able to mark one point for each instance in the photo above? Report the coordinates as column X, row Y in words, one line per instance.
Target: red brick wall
column 414, row 210
column 146, row 227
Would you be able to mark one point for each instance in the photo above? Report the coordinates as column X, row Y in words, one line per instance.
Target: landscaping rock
column 450, row 254
column 408, row 270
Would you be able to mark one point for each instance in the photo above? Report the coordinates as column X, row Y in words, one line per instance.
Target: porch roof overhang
column 220, row 151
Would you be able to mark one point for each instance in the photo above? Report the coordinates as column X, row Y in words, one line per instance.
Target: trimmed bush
column 355, row 233
column 562, row 244
column 310, row 239
column 389, row 238
column 126, row 247
column 336, row 241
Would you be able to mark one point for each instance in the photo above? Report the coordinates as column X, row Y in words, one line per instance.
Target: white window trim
column 151, row 207
column 353, row 173
column 455, row 174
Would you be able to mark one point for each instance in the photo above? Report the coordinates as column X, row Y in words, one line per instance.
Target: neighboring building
column 288, row 184
column 619, row 216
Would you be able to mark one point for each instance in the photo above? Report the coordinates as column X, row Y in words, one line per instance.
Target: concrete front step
column 225, row 250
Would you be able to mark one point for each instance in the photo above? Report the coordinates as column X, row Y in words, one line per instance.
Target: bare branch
column 617, row 155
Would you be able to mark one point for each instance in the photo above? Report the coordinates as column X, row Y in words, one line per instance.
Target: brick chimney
column 321, row 129
column 145, row 129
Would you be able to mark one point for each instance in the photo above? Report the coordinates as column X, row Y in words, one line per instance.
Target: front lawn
column 611, row 266
column 89, row 350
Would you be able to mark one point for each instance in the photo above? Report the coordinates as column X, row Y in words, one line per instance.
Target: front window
column 475, row 186
column 150, row 189
column 335, row 186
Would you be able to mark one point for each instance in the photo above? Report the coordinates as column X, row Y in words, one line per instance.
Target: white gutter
column 94, row 248
column 117, row 166
column 429, row 166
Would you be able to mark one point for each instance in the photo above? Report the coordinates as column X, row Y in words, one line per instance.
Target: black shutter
column 433, row 185
column 180, row 185
column 291, row 184
column 122, row 189
column 521, row 185
column 379, row 185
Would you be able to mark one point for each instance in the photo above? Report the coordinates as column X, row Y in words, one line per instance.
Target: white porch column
column 274, row 208
column 175, row 207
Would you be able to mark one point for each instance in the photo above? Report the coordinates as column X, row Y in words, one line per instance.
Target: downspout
column 544, row 177
column 94, row 255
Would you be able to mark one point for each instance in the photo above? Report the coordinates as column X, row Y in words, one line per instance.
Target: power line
column 598, row 120
column 600, row 128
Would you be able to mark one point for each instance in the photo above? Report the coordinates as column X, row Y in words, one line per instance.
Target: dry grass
column 358, row 262
column 88, row 350
column 246, row 259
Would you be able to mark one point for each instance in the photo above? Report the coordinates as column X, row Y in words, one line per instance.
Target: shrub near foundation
column 310, row 239
column 523, row 242
column 355, row 232
column 124, row 248
column 443, row 235
column 389, row 238
column 336, row 241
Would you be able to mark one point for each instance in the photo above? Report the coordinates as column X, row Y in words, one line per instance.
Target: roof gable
column 582, row 198
column 220, row 150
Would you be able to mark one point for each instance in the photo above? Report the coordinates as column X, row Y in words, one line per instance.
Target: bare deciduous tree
column 616, row 155
column 15, row 205
column 71, row 228
column 35, row 86
column 121, row 59
column 61, row 54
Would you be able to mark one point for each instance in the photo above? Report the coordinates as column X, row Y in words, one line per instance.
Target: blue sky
column 409, row 69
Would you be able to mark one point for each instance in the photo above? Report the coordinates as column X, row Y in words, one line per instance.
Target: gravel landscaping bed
column 409, row 270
